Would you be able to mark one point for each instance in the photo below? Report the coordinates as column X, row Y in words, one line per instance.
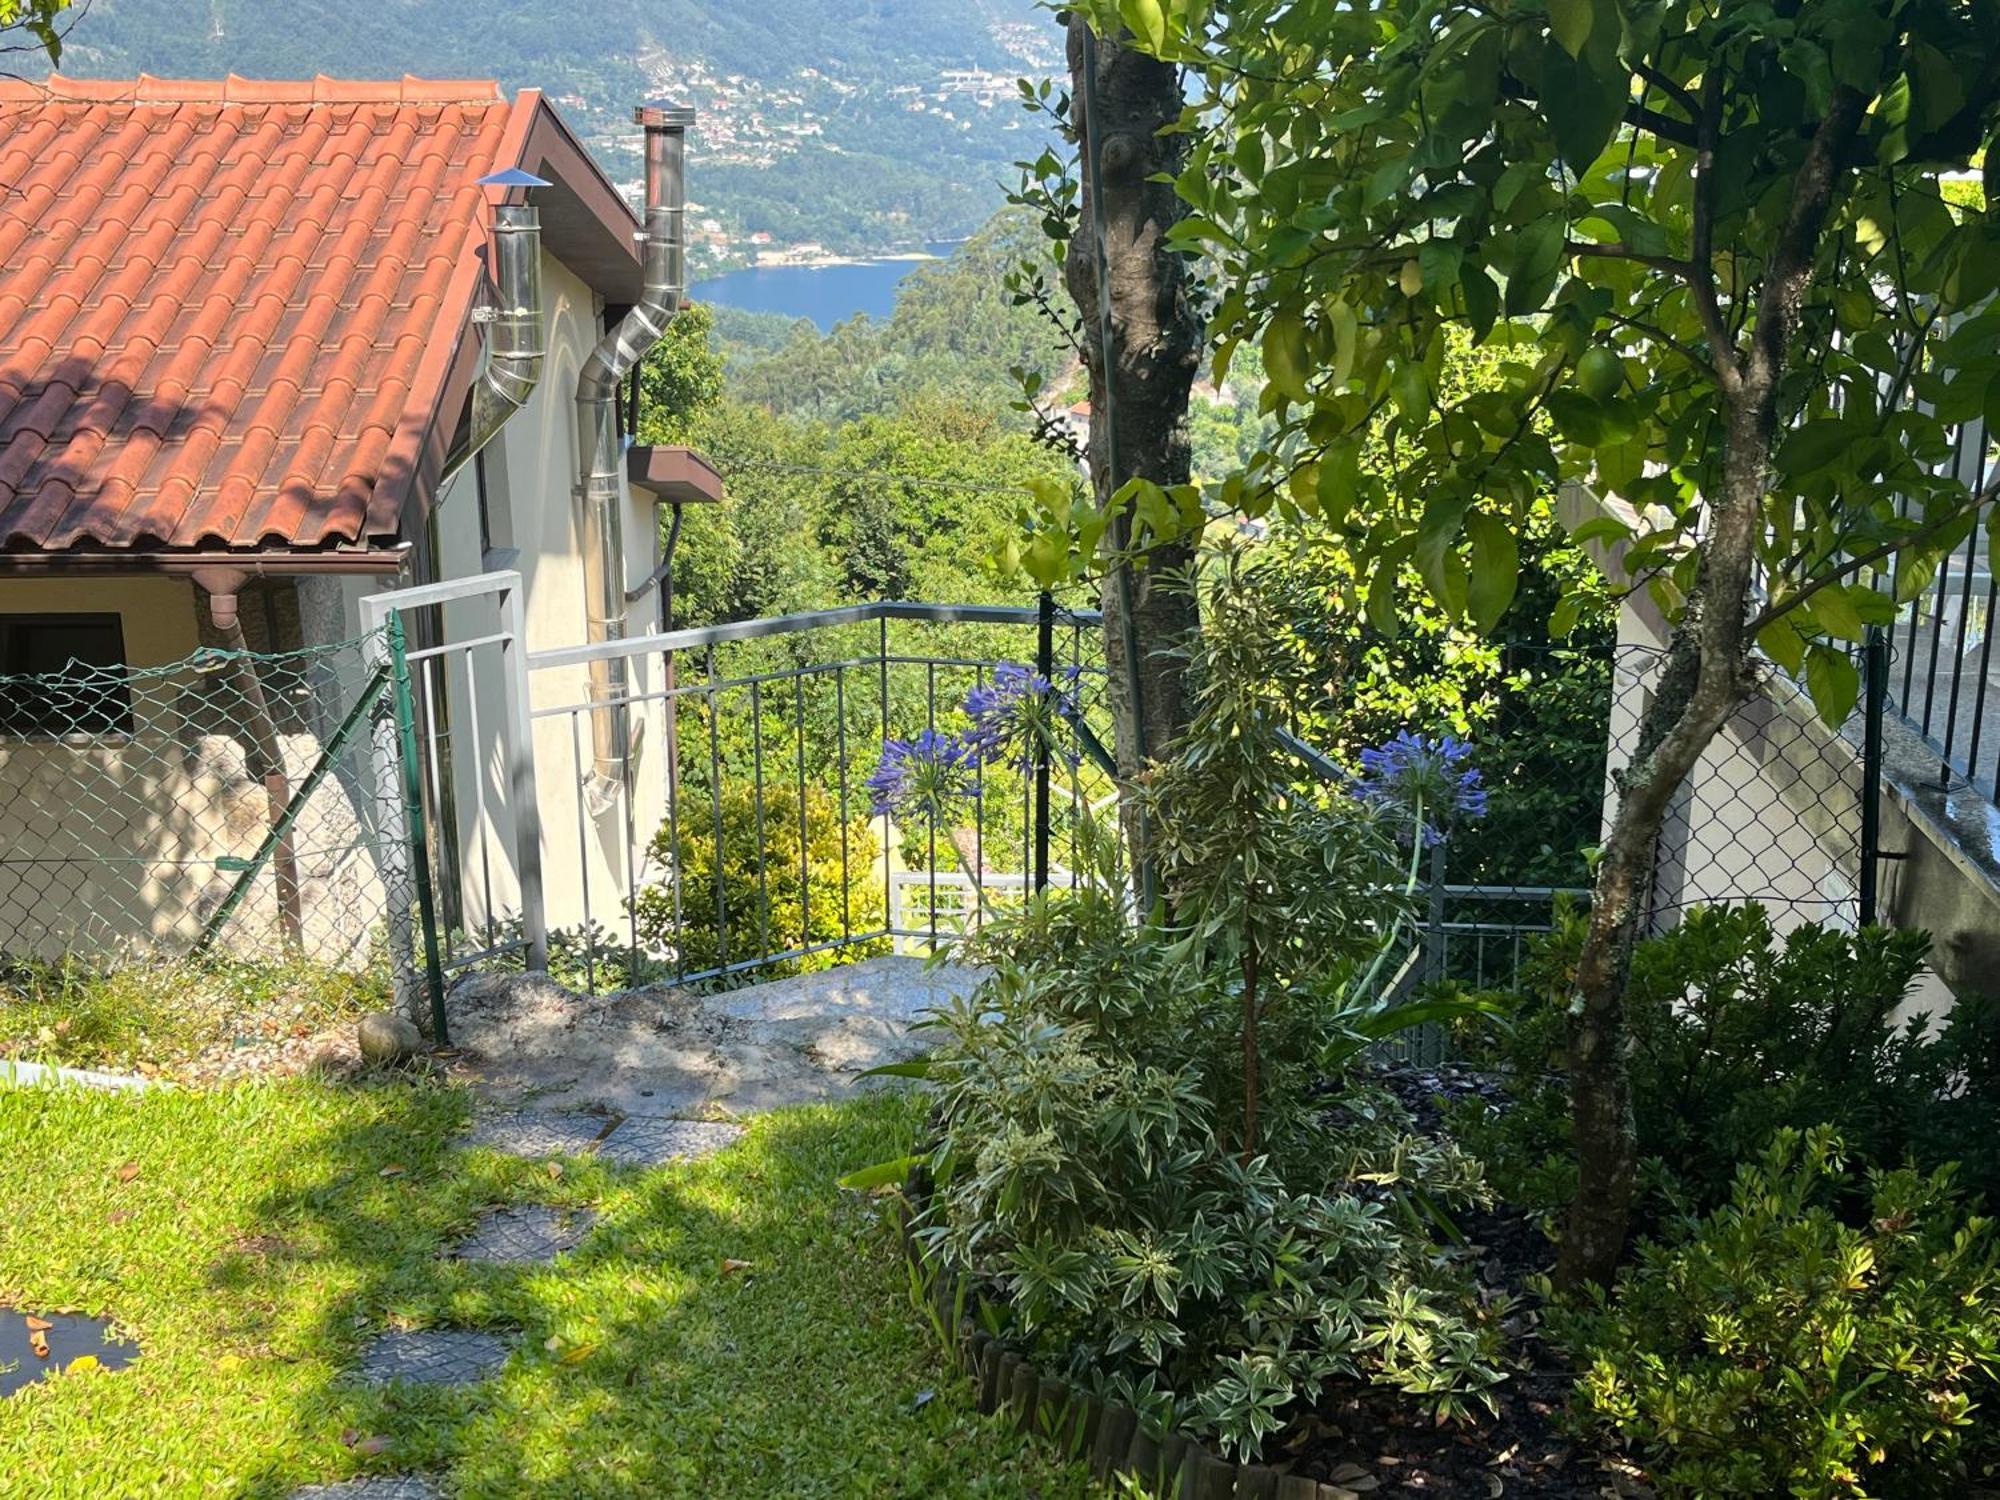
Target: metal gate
column 456, row 768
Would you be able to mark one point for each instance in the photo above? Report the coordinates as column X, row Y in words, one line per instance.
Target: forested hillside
column 956, row 332
column 865, row 125
column 911, row 498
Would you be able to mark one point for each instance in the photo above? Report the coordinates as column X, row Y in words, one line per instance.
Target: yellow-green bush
column 765, row 905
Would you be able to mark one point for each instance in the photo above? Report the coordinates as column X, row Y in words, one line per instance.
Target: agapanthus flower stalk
column 933, row 775
column 1017, row 713
column 1423, row 784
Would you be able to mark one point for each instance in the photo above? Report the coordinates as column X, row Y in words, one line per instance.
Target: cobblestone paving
column 529, row 1234
column 643, row 1142
column 436, row 1356
column 390, row 1487
column 537, row 1132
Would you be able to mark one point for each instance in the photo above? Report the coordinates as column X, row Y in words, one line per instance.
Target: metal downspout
column 601, row 458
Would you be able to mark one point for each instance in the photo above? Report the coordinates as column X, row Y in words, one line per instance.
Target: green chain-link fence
column 229, row 804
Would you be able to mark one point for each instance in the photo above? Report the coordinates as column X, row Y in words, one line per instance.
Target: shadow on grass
column 735, row 1326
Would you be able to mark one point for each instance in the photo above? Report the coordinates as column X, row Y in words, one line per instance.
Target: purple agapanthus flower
column 930, row 774
column 1424, row 781
column 1015, row 714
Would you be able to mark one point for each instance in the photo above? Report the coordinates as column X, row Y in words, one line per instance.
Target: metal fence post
column 522, row 784
column 1875, row 686
column 1434, row 916
column 386, row 755
column 412, row 786
column 1045, row 668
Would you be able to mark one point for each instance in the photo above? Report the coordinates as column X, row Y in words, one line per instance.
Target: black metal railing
column 741, row 839
column 755, row 848
column 1941, row 683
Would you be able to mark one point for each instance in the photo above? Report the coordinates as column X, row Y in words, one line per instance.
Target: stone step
column 668, row 1052
column 432, row 1356
column 633, row 1141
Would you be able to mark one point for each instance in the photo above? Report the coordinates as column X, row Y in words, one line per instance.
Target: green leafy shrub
column 771, row 899
column 1156, row 1152
column 1736, row 1034
column 1773, row 1349
column 1088, row 1177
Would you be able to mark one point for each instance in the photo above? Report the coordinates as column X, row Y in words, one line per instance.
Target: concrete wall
column 1771, row 812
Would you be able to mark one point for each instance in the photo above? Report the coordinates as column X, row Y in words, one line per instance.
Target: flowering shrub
column 1155, row 1153
column 1090, row 1183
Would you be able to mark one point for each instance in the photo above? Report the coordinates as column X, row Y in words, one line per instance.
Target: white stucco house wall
column 250, row 339
column 1772, row 811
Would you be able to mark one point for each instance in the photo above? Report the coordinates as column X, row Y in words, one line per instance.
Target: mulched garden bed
column 1375, row 1442
column 1365, row 1441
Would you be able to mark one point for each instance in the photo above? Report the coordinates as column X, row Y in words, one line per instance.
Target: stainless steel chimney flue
column 601, row 460
column 517, row 345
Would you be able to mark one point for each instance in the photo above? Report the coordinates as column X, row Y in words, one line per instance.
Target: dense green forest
column 906, row 488
column 809, row 126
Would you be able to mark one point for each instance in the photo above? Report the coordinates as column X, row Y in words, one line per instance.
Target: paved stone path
column 532, row 1234
column 565, row 1076
column 529, row 1043
column 643, row 1142
column 434, row 1356
column 394, row 1487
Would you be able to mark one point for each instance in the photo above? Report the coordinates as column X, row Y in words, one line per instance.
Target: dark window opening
column 63, row 675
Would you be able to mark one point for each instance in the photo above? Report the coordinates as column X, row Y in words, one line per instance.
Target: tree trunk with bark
column 1139, row 386
column 1709, row 672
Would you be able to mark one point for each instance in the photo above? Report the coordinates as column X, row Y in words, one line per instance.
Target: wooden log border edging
column 1080, row 1425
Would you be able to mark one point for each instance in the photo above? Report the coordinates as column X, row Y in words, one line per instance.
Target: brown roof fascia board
column 375, row 561
column 586, row 222
column 673, row 473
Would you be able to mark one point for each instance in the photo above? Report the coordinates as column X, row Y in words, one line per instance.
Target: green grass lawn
column 253, row 1238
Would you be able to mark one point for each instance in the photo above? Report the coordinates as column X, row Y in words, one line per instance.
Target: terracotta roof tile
column 221, row 302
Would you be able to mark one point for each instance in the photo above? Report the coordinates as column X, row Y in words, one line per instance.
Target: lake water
column 826, row 294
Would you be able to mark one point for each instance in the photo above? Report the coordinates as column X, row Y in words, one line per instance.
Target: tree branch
column 1701, row 284
column 1674, row 91
column 1685, row 350
column 1779, row 609
column 1619, row 250
column 1791, row 261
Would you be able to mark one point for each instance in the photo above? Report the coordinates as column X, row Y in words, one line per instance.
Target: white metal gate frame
column 517, row 746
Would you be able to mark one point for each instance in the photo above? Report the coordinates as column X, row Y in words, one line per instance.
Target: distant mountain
column 863, row 125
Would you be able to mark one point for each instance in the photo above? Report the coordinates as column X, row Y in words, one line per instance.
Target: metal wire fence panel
column 1771, row 813
column 227, row 803
column 752, row 848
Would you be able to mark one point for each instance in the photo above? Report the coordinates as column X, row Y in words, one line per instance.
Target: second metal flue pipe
column 601, row 459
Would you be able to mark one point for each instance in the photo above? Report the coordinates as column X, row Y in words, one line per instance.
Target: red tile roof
column 230, row 311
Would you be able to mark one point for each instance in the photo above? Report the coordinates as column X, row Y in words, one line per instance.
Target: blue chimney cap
column 513, row 177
